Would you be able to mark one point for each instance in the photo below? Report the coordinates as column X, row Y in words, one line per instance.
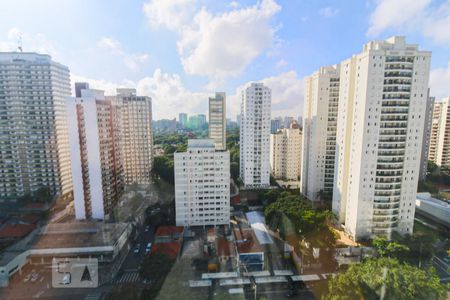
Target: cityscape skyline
column 164, row 70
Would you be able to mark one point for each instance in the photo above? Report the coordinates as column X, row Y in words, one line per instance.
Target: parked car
column 137, row 249
column 148, row 248
column 147, row 228
column 27, row 278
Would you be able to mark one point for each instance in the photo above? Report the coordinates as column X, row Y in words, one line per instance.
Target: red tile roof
column 246, row 241
column 235, row 200
column 30, row 218
column 14, row 231
column 224, row 247
column 35, row 205
column 168, row 230
column 170, row 249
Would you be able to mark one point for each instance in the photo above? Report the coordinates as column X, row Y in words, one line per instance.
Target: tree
column 291, row 214
column 386, row 248
column 163, row 167
column 385, row 278
column 234, row 170
column 124, row 292
column 155, row 266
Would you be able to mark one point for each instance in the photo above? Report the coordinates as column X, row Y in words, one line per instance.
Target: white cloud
column 30, row 43
column 328, row 12
column 131, row 60
column 172, row 14
column 437, row 24
column 395, row 13
column 282, row 63
column 216, row 45
column 440, row 82
column 405, row 15
column 234, row 4
column 168, row 93
column 287, row 95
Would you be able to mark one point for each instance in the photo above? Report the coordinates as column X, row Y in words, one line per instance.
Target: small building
column 225, row 249
column 250, row 253
column 13, row 232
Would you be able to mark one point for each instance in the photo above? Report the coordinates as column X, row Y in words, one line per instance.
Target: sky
column 180, row 52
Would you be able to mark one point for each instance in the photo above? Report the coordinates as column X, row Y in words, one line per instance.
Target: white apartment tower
column 286, row 153
column 202, row 185
column 34, row 149
column 96, row 156
column 255, row 136
column 218, row 121
column 426, row 137
column 319, row 132
column 382, row 98
column 439, row 148
column 137, row 140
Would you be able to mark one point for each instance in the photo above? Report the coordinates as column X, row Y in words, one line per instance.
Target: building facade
column 319, row 132
column 383, row 95
column 217, row 121
column 426, row 137
column 34, row 151
column 285, row 153
column 202, row 185
column 255, row 136
column 95, row 138
column 439, row 145
column 183, row 119
column 137, row 137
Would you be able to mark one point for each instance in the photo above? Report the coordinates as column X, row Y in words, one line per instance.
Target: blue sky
column 181, row 51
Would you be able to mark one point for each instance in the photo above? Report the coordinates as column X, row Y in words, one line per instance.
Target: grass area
column 444, row 195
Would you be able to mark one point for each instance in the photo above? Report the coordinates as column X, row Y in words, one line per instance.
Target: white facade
column 439, row 145
column 382, row 97
column 285, row 153
column 95, row 148
column 33, row 89
column 255, row 136
column 319, row 132
column 202, row 185
column 426, row 137
column 137, row 139
column 217, row 121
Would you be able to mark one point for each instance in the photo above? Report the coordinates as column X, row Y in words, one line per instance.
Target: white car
column 148, row 248
column 137, row 249
column 27, row 278
column 34, row 276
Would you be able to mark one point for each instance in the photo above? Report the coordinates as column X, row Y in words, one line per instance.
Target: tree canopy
column 291, row 214
column 163, row 167
column 385, row 278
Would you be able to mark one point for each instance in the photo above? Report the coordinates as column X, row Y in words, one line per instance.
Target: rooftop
column 14, row 231
column 246, row 241
column 171, row 249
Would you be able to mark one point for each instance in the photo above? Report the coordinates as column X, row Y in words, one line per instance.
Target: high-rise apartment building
column 34, row 149
column 285, row 153
column 183, row 119
column 275, row 124
column 137, row 140
column 287, row 121
column 439, row 145
column 426, row 137
column 96, row 154
column 319, row 132
column 382, row 99
column 255, row 136
column 217, row 121
column 202, row 185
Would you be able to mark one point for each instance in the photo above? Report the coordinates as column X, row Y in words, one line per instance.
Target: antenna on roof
column 19, row 43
